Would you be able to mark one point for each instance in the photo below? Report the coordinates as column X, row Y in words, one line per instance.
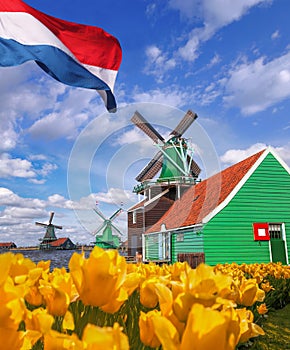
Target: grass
column 277, row 329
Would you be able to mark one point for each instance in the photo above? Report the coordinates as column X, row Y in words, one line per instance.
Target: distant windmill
column 107, row 239
column 49, row 234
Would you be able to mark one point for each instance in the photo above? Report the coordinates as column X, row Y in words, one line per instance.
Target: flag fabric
column 74, row 54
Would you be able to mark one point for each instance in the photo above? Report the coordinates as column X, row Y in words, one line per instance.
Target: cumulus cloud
column 275, row 35
column 171, row 96
column 131, row 136
column 233, row 156
column 158, row 62
column 16, row 167
column 9, row 198
column 255, row 86
column 213, row 15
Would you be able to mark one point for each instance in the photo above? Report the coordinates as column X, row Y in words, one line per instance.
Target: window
column 180, row 237
column 275, row 231
column 134, row 216
column 261, row 231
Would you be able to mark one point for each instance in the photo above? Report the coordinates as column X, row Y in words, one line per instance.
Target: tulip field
column 103, row 302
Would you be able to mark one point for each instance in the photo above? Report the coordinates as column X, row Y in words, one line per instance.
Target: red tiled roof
column 58, row 242
column 6, row 244
column 200, row 200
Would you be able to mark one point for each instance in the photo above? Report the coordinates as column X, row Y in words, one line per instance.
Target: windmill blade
column 116, row 229
column 151, row 168
column 99, row 213
column 184, row 124
column 100, row 228
column 51, row 217
column 146, row 127
column 115, row 214
column 56, row 226
column 195, row 169
column 40, row 224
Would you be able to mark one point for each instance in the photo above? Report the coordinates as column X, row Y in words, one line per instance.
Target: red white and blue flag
column 74, row 54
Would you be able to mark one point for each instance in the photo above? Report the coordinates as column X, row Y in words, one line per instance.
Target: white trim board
column 222, row 205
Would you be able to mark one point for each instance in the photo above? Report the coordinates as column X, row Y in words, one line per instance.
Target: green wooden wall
column 151, row 247
column 192, row 243
column 265, row 197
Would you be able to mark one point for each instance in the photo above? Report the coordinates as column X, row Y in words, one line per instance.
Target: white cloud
column 23, row 213
column 9, row 198
column 115, row 196
column 23, row 168
column 235, row 155
column 171, row 96
column 257, row 85
column 213, row 14
column 275, row 35
column 16, row 167
column 57, row 125
column 131, row 136
column 46, row 169
column 158, row 62
column 9, row 137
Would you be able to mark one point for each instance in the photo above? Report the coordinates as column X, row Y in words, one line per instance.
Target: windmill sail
column 104, row 234
column 184, row 124
column 50, row 231
column 146, row 127
column 164, row 156
column 151, row 168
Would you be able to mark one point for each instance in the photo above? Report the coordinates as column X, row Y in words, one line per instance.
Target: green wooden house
column 241, row 214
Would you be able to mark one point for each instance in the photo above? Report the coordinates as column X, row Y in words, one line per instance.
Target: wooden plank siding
column 192, row 243
column 145, row 217
column 152, row 247
column 265, row 197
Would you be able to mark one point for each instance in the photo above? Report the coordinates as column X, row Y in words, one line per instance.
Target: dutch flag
column 74, row 54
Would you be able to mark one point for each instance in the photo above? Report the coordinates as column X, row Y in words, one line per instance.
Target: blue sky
column 229, row 61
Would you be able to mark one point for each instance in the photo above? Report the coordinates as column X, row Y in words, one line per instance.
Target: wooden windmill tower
column 178, row 172
column 104, row 234
column 50, row 232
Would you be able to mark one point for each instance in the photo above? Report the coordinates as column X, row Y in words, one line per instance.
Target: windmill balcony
column 168, row 182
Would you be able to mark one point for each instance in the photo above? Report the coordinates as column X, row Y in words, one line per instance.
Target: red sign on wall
column 261, row 231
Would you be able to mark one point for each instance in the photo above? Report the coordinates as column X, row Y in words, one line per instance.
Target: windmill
column 174, row 157
column 49, row 234
column 107, row 239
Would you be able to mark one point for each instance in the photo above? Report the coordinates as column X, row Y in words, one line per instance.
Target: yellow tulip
column 96, row 338
column 33, row 295
column 68, row 321
column 10, row 338
column 5, row 263
column 99, row 279
column 248, row 329
column 206, row 329
column 250, row 293
column 266, row 286
column 37, row 323
column 182, row 306
column 206, row 285
column 56, row 341
column 58, row 290
column 12, row 307
column 262, row 309
column 147, row 331
column 132, row 282
column 148, row 296
column 166, row 333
